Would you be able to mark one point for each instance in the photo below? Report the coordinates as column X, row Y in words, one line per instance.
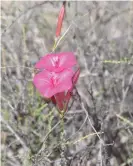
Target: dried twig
column 15, row 134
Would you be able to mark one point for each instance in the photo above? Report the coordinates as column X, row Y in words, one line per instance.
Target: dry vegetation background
column 98, row 128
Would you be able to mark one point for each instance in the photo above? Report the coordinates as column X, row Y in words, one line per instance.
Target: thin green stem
column 62, row 139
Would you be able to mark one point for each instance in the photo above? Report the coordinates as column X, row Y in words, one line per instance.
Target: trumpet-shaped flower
column 57, row 62
column 58, row 75
column 51, row 83
column 62, row 99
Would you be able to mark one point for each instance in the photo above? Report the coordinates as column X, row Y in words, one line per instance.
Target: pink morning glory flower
column 62, row 99
column 51, row 83
column 57, row 62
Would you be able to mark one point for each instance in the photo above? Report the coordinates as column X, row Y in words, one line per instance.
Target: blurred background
column 98, row 126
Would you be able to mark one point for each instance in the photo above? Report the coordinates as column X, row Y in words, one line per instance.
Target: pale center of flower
column 54, row 80
column 55, row 61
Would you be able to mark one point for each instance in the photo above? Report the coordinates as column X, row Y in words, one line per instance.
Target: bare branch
column 15, row 134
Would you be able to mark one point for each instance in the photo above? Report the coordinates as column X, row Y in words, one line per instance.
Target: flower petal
column 48, row 62
column 67, row 59
column 45, row 62
column 42, row 83
column 65, row 80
